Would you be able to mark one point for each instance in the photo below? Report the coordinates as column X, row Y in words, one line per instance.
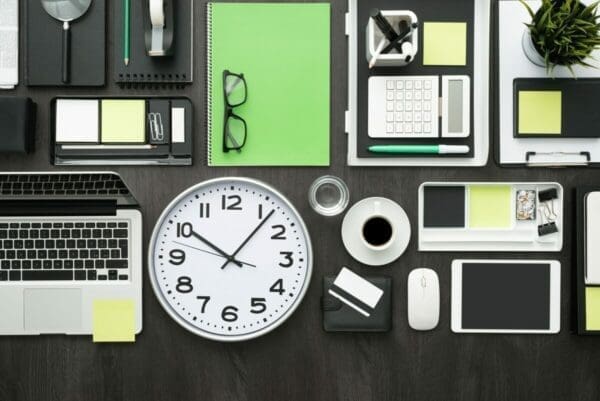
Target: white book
column 9, row 43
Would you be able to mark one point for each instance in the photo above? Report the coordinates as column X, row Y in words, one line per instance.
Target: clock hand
column 216, row 248
column 209, row 252
column 249, row 238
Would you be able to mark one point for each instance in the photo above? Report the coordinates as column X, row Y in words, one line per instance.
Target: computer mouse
column 423, row 299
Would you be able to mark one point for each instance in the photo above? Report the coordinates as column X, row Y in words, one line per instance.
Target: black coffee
column 377, row 231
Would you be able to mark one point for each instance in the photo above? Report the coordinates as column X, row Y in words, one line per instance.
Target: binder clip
column 156, row 127
column 548, row 213
column 159, row 27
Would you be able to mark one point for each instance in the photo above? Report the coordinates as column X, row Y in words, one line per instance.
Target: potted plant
column 561, row 32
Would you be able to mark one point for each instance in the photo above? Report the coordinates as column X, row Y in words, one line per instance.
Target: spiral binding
column 209, row 74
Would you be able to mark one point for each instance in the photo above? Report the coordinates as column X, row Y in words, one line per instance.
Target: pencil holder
column 394, row 58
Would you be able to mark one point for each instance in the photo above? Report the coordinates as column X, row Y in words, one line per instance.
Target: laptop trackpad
column 52, row 310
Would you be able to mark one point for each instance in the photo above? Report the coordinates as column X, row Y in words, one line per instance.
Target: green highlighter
column 420, row 149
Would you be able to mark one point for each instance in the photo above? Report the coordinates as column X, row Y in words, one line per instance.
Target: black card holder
column 339, row 317
column 17, row 124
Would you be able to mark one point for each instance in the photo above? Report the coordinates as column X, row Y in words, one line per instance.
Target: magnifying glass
column 66, row 11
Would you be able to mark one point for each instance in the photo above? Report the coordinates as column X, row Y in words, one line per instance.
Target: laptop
column 66, row 240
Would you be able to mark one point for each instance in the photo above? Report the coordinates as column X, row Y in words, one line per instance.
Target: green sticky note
column 592, row 308
column 490, row 206
column 445, row 43
column 113, row 320
column 540, row 112
column 123, row 121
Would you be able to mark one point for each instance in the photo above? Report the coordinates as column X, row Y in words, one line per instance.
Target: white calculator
column 411, row 107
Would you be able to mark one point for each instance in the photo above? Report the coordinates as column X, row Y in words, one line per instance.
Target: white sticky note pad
column 358, row 287
column 76, row 121
column 177, row 125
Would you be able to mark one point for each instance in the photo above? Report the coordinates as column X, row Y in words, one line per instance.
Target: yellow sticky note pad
column 490, row 206
column 445, row 43
column 113, row 320
column 592, row 308
column 123, row 121
column 540, row 112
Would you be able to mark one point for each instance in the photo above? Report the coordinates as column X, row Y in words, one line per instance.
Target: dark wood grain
column 299, row 361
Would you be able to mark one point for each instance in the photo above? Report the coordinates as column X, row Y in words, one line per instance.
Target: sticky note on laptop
column 540, row 112
column 445, row 43
column 113, row 320
column 76, row 121
column 123, row 121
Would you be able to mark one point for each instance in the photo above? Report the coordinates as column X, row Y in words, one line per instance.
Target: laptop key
column 117, row 264
column 3, row 275
column 91, row 275
column 44, row 275
column 80, row 275
column 123, row 277
column 14, row 276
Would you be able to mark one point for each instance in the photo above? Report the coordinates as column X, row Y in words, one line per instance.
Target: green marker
column 420, row 149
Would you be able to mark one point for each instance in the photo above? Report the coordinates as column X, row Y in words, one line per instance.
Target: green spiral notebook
column 283, row 50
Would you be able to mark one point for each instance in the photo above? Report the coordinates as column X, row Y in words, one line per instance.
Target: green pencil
column 126, row 29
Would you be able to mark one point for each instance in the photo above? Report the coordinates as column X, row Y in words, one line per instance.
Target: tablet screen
column 506, row 296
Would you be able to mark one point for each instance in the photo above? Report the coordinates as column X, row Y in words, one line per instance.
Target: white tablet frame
column 456, row 297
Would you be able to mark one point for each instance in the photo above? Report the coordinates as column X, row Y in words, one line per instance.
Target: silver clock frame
column 184, row 323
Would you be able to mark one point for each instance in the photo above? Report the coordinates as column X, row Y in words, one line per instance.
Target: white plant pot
column 530, row 51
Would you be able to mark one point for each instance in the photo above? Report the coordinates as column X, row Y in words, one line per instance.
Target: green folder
column 283, row 51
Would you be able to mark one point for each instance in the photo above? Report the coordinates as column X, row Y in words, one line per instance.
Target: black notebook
column 175, row 69
column 44, row 47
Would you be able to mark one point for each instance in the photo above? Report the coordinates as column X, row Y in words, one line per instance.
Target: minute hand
column 216, row 248
column 262, row 223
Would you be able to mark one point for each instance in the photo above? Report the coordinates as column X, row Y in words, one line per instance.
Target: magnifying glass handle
column 66, row 54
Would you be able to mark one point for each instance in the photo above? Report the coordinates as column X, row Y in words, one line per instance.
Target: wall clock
column 230, row 259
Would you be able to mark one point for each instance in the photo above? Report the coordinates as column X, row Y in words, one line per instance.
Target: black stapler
column 159, row 27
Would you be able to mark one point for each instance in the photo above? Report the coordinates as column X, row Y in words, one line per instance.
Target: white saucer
column 353, row 223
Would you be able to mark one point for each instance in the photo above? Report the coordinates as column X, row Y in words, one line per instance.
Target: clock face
column 230, row 259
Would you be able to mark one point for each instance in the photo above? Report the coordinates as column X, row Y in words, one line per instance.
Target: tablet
column 505, row 296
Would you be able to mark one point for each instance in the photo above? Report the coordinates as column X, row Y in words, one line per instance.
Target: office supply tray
column 477, row 14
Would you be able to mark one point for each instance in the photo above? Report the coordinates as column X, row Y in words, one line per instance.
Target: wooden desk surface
column 299, row 361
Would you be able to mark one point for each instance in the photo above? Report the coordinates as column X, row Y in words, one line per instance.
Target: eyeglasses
column 234, row 126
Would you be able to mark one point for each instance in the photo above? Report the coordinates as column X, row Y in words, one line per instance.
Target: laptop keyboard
column 62, row 184
column 65, row 251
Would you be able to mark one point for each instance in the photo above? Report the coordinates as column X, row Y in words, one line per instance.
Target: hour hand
column 216, row 248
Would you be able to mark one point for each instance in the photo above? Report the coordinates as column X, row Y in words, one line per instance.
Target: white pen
column 377, row 53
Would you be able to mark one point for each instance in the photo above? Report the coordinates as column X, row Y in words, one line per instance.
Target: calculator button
column 427, row 106
column 390, row 117
column 408, row 96
column 390, row 95
column 399, row 128
column 427, row 95
column 409, row 85
column 407, row 128
column 408, row 106
column 390, row 128
column 417, row 106
column 408, row 117
column 399, row 95
column 400, row 116
column 418, row 96
column 418, row 85
column 399, row 106
column 399, row 85
column 390, row 84
column 427, row 128
column 427, row 84
column 427, row 116
column 418, row 117
column 390, row 106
